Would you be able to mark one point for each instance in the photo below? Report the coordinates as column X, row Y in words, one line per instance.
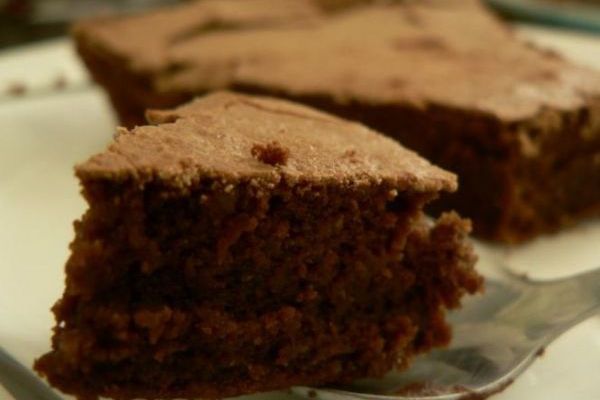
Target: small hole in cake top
column 271, row 153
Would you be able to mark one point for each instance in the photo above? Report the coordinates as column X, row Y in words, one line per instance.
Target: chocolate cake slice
column 519, row 125
column 245, row 244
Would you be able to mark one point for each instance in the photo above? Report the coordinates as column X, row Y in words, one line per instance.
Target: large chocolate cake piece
column 244, row 244
column 520, row 126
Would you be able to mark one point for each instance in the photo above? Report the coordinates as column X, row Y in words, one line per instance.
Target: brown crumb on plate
column 60, row 82
column 16, row 89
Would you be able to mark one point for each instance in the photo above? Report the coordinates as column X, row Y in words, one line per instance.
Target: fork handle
column 20, row 382
column 549, row 308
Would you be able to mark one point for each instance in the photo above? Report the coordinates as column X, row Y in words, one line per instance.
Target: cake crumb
column 541, row 351
column 16, row 89
column 60, row 82
column 272, row 153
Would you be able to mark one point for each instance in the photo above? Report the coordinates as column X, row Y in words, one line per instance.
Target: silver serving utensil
column 496, row 337
column 20, row 382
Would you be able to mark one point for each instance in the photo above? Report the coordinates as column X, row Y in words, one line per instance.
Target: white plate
column 42, row 138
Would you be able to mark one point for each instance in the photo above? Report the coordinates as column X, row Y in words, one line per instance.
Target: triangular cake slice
column 242, row 244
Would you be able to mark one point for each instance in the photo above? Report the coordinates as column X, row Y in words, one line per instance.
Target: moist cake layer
column 245, row 244
column 520, row 125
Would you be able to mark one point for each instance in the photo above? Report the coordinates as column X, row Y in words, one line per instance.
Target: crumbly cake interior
column 219, row 292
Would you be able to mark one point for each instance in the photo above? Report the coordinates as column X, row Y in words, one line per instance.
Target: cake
column 519, row 125
column 153, row 33
column 242, row 244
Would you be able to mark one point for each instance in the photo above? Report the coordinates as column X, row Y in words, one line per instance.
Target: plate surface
column 42, row 138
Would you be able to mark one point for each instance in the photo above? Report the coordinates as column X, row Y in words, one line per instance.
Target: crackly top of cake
column 237, row 137
column 144, row 40
column 449, row 52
